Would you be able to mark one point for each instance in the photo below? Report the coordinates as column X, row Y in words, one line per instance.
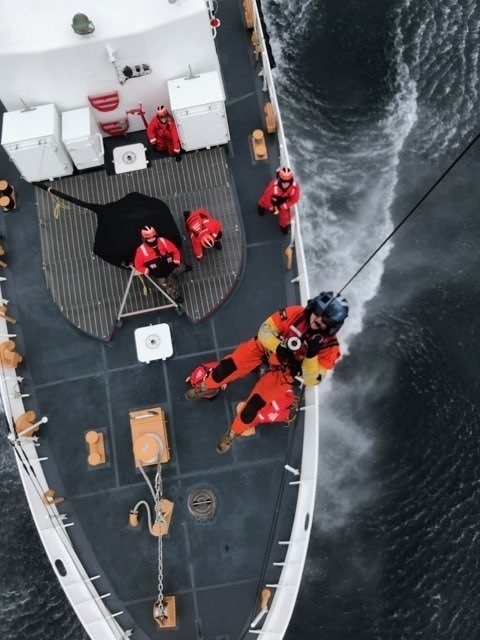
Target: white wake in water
column 348, row 176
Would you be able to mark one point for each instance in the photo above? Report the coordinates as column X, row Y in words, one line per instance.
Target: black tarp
column 119, row 223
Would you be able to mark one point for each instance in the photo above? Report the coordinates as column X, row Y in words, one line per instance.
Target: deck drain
column 202, row 503
column 129, row 157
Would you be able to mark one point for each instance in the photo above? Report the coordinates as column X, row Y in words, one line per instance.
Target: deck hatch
column 202, row 503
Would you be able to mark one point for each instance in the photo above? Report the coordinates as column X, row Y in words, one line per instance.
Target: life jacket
column 158, row 259
column 300, row 328
column 196, row 221
column 199, row 374
column 283, row 194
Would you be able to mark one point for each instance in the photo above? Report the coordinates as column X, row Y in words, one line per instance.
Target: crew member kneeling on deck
column 162, row 133
column 293, row 342
column 159, row 258
column 205, row 232
column 280, row 195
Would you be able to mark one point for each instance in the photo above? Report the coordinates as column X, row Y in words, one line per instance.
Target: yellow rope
column 143, row 286
column 58, row 205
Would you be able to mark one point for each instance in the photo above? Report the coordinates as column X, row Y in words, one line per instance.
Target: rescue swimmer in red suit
column 295, row 343
column 159, row 258
column 280, row 195
column 205, row 231
column 162, row 133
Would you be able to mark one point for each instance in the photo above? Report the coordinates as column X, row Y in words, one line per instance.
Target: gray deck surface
column 216, row 569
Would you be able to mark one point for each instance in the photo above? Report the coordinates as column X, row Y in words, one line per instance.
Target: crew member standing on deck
column 162, row 133
column 159, row 258
column 293, row 342
column 280, row 195
column 205, row 232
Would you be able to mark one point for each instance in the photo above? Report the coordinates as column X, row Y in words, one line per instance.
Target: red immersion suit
column 278, row 381
column 164, row 135
column 201, row 224
column 275, row 198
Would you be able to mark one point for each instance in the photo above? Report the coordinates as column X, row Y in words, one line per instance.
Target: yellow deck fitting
column 170, row 619
column 133, row 519
column 3, row 308
column 25, row 421
column 7, row 196
column 271, row 119
column 147, row 426
column 256, row 48
column 259, row 146
column 8, row 356
column 96, row 448
column 49, row 497
column 248, row 11
column 264, row 598
column 166, row 510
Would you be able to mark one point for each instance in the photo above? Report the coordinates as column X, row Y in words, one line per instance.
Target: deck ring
column 129, row 157
column 202, row 503
column 153, row 341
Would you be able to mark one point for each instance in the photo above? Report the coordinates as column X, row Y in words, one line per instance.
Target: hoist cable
column 411, row 212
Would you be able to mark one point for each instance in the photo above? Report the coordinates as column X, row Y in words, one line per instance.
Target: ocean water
column 378, row 99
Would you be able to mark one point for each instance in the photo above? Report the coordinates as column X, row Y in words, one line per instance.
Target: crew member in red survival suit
column 159, row 258
column 295, row 342
column 205, row 232
column 280, row 195
column 162, row 133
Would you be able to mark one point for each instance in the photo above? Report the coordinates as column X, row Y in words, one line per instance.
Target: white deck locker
column 198, row 106
column 82, row 138
column 32, row 139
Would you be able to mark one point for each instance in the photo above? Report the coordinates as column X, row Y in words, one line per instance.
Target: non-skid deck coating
column 89, row 291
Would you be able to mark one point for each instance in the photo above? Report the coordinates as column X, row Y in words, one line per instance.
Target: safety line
column 411, row 212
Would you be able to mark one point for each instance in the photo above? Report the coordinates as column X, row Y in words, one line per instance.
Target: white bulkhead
column 46, row 62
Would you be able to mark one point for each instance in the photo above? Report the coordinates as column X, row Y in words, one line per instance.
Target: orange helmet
column 162, row 111
column 285, row 174
column 207, row 241
column 148, row 233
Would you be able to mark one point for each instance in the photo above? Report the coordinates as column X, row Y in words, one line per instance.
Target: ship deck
column 216, row 568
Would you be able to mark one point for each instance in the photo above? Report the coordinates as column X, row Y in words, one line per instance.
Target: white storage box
column 198, row 106
column 32, row 139
column 82, row 138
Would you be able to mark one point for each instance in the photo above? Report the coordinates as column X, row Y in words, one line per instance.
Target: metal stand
column 120, row 314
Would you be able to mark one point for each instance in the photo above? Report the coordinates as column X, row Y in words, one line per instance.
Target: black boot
column 226, row 441
column 286, row 230
column 260, row 210
column 200, row 392
column 218, row 245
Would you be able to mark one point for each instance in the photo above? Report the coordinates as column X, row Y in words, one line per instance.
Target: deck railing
column 51, row 524
column 286, row 588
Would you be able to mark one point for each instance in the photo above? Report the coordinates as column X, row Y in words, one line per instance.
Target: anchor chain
column 159, row 519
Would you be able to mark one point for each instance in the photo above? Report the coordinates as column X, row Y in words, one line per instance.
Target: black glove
column 313, row 345
column 284, row 354
column 178, row 157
